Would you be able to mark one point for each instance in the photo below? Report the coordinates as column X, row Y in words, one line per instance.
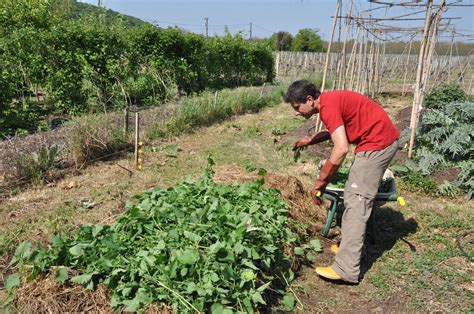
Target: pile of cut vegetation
column 199, row 246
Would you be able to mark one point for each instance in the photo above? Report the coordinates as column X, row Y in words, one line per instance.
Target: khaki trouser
column 359, row 194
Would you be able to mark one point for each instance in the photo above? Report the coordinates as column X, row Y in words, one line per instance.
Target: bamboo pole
column 359, row 62
column 379, row 82
column 353, row 59
column 137, row 138
column 431, row 51
column 277, row 63
column 423, row 67
column 406, row 69
column 376, row 69
column 328, row 54
column 125, row 121
column 451, row 54
column 371, row 67
column 342, row 73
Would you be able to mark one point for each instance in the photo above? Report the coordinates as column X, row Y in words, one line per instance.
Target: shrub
column 444, row 95
column 91, row 137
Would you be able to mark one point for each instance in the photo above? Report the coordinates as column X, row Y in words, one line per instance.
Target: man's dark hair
column 299, row 90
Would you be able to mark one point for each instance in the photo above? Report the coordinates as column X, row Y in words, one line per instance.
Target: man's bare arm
column 341, row 145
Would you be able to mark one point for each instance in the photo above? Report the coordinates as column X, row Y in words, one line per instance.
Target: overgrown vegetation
column 35, row 166
column 213, row 107
column 199, row 246
column 92, row 137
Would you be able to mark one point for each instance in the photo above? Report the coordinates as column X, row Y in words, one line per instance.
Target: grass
column 434, row 277
column 212, row 107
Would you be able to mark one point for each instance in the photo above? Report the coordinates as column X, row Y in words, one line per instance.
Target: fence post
column 137, row 138
column 125, row 121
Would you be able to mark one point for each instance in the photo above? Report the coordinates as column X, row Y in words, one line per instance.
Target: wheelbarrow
column 336, row 196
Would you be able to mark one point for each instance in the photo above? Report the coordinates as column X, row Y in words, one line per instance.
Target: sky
column 269, row 16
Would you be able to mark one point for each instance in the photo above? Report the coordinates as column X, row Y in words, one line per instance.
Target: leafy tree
column 307, row 39
column 281, row 41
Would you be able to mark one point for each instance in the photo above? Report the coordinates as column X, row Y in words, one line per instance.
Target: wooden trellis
column 367, row 63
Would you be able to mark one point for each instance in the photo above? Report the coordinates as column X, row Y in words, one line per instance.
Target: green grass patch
column 212, row 107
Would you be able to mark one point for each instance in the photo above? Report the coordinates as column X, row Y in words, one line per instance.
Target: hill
column 80, row 8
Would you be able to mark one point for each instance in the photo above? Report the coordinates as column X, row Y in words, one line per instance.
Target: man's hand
column 302, row 142
column 327, row 172
column 316, row 196
column 312, row 139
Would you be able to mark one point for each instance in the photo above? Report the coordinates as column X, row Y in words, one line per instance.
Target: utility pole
column 206, row 20
column 99, row 3
column 250, row 30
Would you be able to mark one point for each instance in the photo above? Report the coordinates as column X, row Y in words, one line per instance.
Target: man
column 350, row 118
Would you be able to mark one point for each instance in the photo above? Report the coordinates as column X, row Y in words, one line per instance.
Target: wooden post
column 353, row 60
column 371, row 67
column 342, row 73
column 379, row 83
column 419, row 78
column 429, row 58
column 125, row 121
column 277, row 63
column 451, row 54
column 359, row 68
column 137, row 138
column 261, row 91
column 406, row 69
column 328, row 54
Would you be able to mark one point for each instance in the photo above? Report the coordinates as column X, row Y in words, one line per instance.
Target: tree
column 307, row 39
column 281, row 41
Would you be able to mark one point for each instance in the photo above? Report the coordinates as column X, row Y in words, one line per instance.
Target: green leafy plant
column 444, row 95
column 413, row 180
column 199, row 246
column 445, row 138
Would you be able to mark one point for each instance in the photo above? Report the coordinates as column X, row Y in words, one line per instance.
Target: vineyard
column 153, row 170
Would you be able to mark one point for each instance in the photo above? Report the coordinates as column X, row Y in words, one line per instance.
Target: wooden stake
column 406, row 69
column 342, row 73
column 125, row 121
column 328, row 54
column 353, row 60
column 137, row 138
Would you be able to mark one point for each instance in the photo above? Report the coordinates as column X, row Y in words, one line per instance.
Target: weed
column 34, row 166
column 91, row 138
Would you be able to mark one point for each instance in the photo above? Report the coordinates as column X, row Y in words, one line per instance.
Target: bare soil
column 448, row 174
column 321, row 150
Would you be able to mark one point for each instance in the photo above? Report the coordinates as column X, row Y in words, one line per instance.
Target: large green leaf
column 12, row 282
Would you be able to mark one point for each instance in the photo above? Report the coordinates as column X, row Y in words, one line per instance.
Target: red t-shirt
column 367, row 124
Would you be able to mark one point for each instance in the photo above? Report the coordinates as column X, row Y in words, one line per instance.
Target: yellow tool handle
column 401, row 201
